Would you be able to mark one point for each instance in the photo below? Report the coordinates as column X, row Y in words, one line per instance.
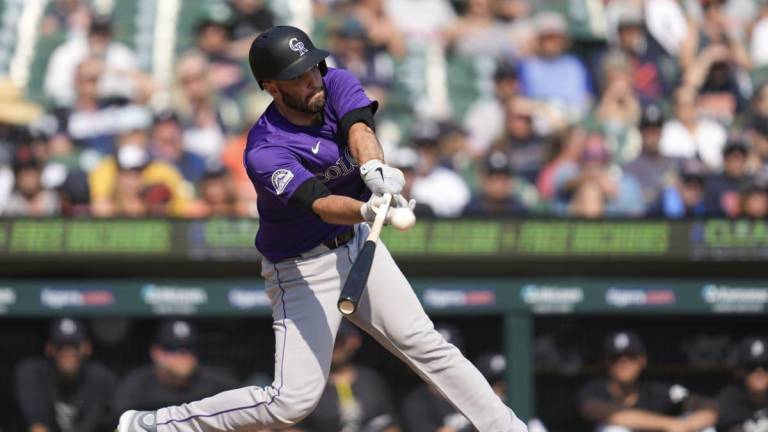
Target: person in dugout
column 175, row 375
column 744, row 403
column 625, row 401
column 65, row 391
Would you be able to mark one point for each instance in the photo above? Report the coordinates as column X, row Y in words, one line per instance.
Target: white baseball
column 403, row 219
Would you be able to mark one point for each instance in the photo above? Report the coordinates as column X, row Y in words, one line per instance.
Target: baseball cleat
column 137, row 421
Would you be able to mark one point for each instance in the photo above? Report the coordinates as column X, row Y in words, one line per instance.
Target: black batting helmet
column 284, row 52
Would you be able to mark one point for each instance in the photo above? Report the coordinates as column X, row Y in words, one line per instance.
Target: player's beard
column 308, row 105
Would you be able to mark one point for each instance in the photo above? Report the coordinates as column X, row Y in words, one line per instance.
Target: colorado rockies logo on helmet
column 298, row 46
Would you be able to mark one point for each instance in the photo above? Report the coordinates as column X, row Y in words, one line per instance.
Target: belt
column 340, row 240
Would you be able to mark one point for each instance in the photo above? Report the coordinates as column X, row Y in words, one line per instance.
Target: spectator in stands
column 75, row 195
column 407, row 160
column 552, row 75
column 382, row 34
column 652, row 170
column 119, row 64
column 744, row 403
column 684, row 198
column 356, row 398
column 499, row 193
column 175, row 375
column 214, row 37
column 714, row 74
column 618, row 110
column 753, row 198
column 249, row 18
column 689, row 135
column 525, row 149
column 351, row 50
column 420, row 21
column 721, row 194
column 168, row 146
column 624, row 401
column 66, row 16
column 92, row 123
column 714, row 29
column 650, row 64
column 758, row 39
column 485, row 120
column 436, row 185
column 594, row 187
column 29, row 197
column 66, row 391
column 205, row 116
column 566, row 148
column 117, row 184
column 218, row 194
column 424, row 410
column 477, row 32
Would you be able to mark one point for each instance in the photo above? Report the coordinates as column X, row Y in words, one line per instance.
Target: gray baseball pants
column 304, row 292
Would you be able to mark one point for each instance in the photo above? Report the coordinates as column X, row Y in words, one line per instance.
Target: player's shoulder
column 595, row 389
column 32, row 366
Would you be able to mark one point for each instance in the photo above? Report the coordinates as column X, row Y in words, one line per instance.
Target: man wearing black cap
column 498, row 186
column 174, row 377
column 652, row 169
column 65, row 392
column 721, row 194
column 744, row 403
column 623, row 402
column 685, row 197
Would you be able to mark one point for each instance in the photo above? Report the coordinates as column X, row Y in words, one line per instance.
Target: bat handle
column 381, row 216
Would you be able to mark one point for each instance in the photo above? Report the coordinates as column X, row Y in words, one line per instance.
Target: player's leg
column 390, row 312
column 303, row 297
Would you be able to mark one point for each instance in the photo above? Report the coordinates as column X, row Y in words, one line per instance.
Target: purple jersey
column 280, row 156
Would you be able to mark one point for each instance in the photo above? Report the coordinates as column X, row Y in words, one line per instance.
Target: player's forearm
column 364, row 144
column 338, row 209
column 701, row 419
column 639, row 419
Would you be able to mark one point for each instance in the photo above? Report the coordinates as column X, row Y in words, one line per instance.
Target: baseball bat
column 358, row 274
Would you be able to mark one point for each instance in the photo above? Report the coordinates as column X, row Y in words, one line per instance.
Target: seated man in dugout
column 624, row 401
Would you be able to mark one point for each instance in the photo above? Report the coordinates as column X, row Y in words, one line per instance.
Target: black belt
column 340, row 240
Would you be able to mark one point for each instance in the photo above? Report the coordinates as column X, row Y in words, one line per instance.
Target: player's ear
column 270, row 87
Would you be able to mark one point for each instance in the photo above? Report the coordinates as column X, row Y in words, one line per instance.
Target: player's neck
column 299, row 118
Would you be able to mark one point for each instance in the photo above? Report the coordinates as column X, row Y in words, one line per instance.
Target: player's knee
column 293, row 406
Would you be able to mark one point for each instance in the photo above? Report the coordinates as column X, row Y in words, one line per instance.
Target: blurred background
column 581, row 167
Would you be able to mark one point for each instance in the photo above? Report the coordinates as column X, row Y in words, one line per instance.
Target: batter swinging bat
column 358, row 274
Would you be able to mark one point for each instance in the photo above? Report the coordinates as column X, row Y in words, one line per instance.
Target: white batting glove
column 369, row 210
column 399, row 201
column 382, row 178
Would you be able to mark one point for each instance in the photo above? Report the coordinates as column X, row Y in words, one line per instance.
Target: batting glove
column 382, row 178
column 399, row 201
column 369, row 210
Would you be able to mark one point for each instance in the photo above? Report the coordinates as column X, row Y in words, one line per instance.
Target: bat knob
column 347, row 306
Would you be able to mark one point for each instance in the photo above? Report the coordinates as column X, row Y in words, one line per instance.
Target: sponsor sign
column 168, row 299
column 62, row 298
column 7, row 298
column 722, row 298
column 443, row 298
column 248, row 298
column 639, row 297
column 551, row 299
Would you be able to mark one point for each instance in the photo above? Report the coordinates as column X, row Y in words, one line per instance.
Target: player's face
column 626, row 369
column 757, row 380
column 305, row 93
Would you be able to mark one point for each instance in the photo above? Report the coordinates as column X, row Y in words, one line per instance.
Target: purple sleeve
column 277, row 171
column 346, row 93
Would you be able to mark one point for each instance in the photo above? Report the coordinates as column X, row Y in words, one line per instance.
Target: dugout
column 546, row 291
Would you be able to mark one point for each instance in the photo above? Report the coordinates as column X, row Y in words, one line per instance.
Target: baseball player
column 320, row 173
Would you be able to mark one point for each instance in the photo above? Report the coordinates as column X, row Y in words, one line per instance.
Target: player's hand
column 373, row 206
column 382, row 178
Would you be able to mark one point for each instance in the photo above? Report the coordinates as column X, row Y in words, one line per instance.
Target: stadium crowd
column 623, row 108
